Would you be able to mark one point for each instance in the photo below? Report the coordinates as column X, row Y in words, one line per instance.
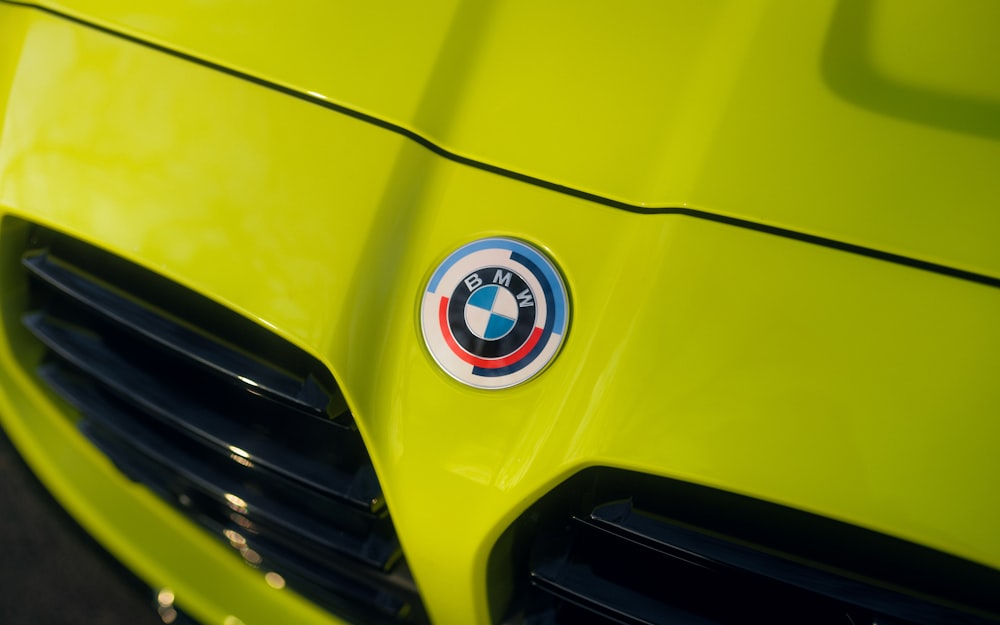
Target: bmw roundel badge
column 494, row 313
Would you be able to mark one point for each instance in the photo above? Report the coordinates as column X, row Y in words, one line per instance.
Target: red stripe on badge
column 494, row 363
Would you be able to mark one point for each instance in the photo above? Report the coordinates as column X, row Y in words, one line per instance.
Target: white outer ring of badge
column 493, row 251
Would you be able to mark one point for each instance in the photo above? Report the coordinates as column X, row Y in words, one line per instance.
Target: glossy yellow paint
column 835, row 383
column 798, row 114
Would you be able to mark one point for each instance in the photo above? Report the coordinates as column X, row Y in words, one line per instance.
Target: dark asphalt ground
column 51, row 571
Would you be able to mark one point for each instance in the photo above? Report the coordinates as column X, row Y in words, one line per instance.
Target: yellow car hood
column 650, row 105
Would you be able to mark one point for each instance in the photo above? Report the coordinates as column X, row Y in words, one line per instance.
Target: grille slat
column 577, row 584
column 614, row 547
column 241, row 431
column 313, row 571
column 632, row 568
column 200, row 419
column 219, row 485
column 169, row 333
column 622, row 521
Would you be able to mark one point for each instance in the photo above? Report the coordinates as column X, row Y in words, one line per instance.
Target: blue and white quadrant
column 491, row 312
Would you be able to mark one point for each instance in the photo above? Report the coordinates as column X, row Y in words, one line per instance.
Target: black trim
column 852, row 248
column 151, row 381
column 611, row 546
column 240, row 369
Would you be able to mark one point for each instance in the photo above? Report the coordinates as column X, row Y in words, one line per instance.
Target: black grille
column 239, row 429
column 612, row 547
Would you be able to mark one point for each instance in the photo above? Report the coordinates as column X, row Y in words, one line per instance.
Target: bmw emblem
column 494, row 313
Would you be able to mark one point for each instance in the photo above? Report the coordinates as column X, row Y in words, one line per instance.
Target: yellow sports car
column 509, row 312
